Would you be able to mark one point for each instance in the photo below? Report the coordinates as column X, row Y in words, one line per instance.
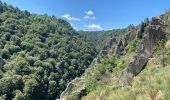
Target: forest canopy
column 40, row 54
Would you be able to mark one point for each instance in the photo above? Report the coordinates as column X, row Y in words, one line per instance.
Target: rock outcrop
column 107, row 44
column 131, row 27
column 153, row 34
column 125, row 40
column 139, row 60
column 119, row 48
column 81, row 91
column 141, row 29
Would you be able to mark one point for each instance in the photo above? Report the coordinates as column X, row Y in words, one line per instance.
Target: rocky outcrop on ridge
column 124, row 41
column 107, row 44
column 150, row 33
column 78, row 93
column 81, row 91
column 139, row 60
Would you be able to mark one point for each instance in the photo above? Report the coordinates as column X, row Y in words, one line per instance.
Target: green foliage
column 42, row 54
column 18, row 95
column 96, row 38
column 133, row 45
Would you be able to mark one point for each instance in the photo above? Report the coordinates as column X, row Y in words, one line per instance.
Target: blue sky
column 96, row 14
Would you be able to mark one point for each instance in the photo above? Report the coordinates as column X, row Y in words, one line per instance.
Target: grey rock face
column 81, row 91
column 119, row 47
column 140, row 59
column 140, row 31
column 67, row 90
column 108, row 43
column 146, row 22
column 124, row 42
column 130, row 27
column 168, row 18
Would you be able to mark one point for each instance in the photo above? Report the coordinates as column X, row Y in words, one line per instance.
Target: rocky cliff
column 77, row 91
column 150, row 33
column 154, row 35
column 81, row 90
column 107, row 44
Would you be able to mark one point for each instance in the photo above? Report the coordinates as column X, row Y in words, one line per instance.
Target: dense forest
column 98, row 37
column 39, row 54
column 43, row 57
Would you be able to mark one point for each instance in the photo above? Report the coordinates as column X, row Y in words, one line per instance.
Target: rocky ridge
column 141, row 57
column 151, row 32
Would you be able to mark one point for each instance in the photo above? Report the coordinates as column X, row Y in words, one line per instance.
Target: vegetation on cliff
column 103, row 79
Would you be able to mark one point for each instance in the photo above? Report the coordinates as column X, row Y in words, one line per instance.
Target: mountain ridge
column 150, row 33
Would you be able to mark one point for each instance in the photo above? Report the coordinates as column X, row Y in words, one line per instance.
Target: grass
column 153, row 83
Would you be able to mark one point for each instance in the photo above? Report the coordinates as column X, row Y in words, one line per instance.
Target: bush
column 5, row 54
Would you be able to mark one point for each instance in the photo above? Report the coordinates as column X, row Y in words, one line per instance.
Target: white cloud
column 93, row 27
column 68, row 17
column 89, row 15
column 73, row 25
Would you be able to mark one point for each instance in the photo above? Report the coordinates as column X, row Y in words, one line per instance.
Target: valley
column 43, row 57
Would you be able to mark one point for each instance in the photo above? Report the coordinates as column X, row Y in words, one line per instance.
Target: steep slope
column 98, row 37
column 39, row 54
column 110, row 78
column 86, row 83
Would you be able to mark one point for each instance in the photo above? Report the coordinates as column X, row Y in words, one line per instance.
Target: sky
column 94, row 15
